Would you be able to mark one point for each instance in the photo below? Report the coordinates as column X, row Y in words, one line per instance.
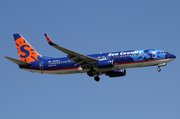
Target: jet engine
column 116, row 73
column 105, row 64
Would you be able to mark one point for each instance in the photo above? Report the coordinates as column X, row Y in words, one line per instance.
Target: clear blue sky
column 89, row 27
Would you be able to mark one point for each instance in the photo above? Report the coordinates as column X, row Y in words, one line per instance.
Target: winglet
column 49, row 40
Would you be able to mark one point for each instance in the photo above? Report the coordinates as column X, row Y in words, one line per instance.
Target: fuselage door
column 154, row 54
column 41, row 65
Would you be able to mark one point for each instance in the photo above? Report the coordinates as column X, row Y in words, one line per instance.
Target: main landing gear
column 91, row 74
column 96, row 78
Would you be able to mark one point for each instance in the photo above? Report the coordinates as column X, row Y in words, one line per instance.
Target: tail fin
column 25, row 50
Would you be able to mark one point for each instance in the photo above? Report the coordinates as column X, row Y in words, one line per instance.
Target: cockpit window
column 164, row 52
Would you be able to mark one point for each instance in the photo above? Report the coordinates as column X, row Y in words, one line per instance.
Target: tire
column 158, row 69
column 96, row 78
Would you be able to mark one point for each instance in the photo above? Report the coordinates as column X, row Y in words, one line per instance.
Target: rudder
column 25, row 50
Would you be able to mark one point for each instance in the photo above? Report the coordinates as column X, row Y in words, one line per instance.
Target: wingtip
column 48, row 39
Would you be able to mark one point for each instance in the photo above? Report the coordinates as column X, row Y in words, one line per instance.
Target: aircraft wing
column 72, row 55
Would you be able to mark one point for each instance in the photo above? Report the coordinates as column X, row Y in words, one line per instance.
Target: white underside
column 120, row 66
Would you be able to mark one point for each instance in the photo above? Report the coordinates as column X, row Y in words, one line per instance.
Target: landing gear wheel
column 96, row 78
column 89, row 73
column 158, row 69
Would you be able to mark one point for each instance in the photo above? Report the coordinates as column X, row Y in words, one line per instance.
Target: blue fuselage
column 122, row 60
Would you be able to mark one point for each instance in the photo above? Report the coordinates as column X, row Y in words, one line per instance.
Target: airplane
column 112, row 64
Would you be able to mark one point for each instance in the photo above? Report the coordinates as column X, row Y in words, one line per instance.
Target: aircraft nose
column 172, row 56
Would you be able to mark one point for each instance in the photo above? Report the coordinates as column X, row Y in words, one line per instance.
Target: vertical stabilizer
column 25, row 50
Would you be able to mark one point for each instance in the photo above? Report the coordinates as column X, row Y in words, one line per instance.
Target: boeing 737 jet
column 112, row 64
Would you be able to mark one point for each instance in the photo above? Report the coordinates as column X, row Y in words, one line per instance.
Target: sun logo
column 26, row 51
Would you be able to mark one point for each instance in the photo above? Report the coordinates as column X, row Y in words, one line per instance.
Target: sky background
column 88, row 27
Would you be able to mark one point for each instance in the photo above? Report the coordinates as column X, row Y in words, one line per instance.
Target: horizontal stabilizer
column 18, row 62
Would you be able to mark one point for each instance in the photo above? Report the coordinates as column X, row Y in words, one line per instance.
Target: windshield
column 164, row 52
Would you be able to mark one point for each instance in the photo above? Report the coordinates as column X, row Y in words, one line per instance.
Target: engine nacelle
column 116, row 73
column 105, row 64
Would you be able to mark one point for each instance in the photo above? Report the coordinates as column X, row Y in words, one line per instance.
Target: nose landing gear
column 160, row 65
column 159, row 69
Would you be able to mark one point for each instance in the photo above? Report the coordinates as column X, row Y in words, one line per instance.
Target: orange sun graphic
column 25, row 50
